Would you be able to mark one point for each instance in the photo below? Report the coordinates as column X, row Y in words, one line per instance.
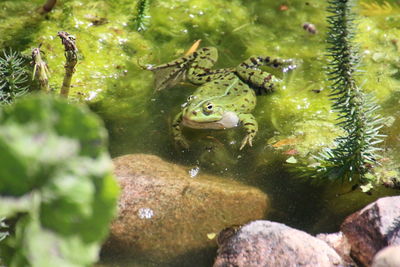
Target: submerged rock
column 373, row 228
column 167, row 213
column 270, row 244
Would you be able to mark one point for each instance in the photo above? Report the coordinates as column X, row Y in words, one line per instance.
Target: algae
column 109, row 75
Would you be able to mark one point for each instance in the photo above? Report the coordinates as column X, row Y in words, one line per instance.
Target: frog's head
column 208, row 115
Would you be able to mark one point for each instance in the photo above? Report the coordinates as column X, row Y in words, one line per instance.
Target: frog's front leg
column 262, row 81
column 177, row 131
column 251, row 126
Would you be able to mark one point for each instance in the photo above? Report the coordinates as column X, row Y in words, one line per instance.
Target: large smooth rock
column 387, row 257
column 164, row 213
column 270, row 244
column 373, row 228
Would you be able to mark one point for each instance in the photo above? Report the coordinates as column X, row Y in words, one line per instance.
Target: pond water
column 294, row 121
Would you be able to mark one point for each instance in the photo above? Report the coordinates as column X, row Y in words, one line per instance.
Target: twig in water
column 47, row 7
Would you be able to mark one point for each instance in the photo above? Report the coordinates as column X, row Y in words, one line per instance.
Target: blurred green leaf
column 57, row 187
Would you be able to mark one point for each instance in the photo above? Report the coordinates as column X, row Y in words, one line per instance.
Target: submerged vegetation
column 355, row 152
column 375, row 8
column 142, row 18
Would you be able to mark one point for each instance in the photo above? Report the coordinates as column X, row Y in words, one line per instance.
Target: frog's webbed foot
column 170, row 74
column 181, row 142
column 194, row 67
column 251, row 126
column 248, row 139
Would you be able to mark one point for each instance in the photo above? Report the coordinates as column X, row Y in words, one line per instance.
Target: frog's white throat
column 229, row 120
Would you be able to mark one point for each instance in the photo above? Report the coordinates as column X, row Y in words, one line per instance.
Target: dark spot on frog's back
column 275, row 63
column 245, row 65
column 254, row 60
column 247, row 100
column 266, row 79
column 194, row 112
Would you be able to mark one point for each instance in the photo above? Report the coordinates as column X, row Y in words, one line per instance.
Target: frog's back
column 230, row 92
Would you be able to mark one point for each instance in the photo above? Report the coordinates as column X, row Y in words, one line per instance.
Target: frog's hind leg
column 262, row 82
column 200, row 69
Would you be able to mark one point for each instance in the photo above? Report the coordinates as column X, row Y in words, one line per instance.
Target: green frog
column 225, row 97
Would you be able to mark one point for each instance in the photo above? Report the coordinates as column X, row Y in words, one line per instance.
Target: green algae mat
column 295, row 122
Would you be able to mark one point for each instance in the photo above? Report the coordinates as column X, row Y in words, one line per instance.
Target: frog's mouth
column 229, row 120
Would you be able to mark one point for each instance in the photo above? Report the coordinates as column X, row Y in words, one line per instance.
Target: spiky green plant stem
column 142, row 19
column 355, row 152
column 13, row 76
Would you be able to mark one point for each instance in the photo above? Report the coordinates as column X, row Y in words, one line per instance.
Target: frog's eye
column 208, row 108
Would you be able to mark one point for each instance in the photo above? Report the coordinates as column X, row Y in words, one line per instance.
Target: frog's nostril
column 194, row 112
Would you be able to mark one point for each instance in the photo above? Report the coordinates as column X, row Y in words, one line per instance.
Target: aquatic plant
column 355, row 152
column 142, row 19
column 57, row 191
column 376, row 9
column 71, row 56
column 13, row 76
column 40, row 70
column 3, row 230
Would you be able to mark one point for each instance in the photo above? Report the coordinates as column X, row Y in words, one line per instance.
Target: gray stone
column 270, row 244
column 339, row 243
